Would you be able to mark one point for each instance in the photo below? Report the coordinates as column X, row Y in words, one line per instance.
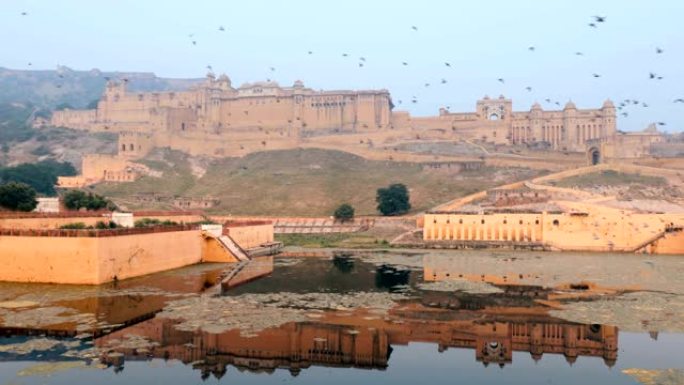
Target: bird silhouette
column 272, row 69
column 30, row 64
column 362, row 58
column 651, row 75
column 222, row 29
column 680, row 100
column 414, row 28
column 529, row 89
column 310, row 52
column 345, row 55
column 600, row 19
column 547, row 100
column 194, row 42
column 447, row 64
column 596, row 75
column 427, row 85
column 592, row 25
column 444, row 81
column 625, row 114
column 531, row 48
column 360, row 64
column 24, row 13
column 644, row 105
column 557, row 103
column 578, row 53
column 501, row 80
column 659, row 50
column 662, row 124
column 404, row 63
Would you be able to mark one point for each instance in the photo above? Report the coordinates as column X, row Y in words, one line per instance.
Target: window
column 556, row 222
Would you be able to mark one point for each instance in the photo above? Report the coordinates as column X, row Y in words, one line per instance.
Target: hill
column 308, row 182
column 51, row 88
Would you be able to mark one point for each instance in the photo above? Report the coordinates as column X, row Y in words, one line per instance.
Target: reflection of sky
column 412, row 364
column 483, row 41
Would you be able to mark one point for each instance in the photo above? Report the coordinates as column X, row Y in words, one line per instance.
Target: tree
column 77, row 199
column 345, row 212
column 42, row 176
column 393, row 200
column 18, row 196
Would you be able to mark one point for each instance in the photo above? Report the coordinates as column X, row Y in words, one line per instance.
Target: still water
column 345, row 318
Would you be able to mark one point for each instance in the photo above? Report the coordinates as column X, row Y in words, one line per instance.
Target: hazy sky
column 482, row 40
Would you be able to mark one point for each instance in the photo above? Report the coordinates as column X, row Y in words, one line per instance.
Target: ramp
column 229, row 244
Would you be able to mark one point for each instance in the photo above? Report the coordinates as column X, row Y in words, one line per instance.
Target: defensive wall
column 34, row 249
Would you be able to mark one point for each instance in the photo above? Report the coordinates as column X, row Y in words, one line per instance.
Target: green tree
column 77, row 199
column 42, row 176
column 345, row 212
column 393, row 200
column 18, row 196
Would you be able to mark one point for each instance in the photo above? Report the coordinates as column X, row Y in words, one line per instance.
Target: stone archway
column 594, row 155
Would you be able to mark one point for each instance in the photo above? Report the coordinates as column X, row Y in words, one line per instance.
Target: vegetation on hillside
column 14, row 125
column 17, row 197
column 609, row 178
column 309, row 182
column 42, row 176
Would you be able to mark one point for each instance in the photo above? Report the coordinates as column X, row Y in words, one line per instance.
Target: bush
column 74, row 226
column 152, row 222
column 393, row 200
column 345, row 212
column 42, row 176
column 77, row 199
column 18, row 196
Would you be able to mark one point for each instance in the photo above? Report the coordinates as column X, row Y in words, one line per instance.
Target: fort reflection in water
column 493, row 326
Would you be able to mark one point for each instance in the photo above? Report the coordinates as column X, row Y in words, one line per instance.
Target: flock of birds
column 596, row 22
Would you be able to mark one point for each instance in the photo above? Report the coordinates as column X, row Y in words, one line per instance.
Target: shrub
column 152, row 222
column 18, row 196
column 74, row 226
column 345, row 212
column 77, row 199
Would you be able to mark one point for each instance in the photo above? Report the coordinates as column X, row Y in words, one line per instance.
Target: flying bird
column 644, row 105
column 24, row 13
column 30, row 64
column 222, row 29
column 592, row 25
column 662, row 124
column 531, row 48
column 427, row 85
column 547, row 100
column 414, row 28
column 360, row 64
column 272, row 69
column 310, row 52
column 194, row 42
column 625, row 114
column 579, row 53
column 362, row 58
column 680, row 100
column 404, row 63
column 444, row 81
column 447, row 64
column 600, row 19
column 659, row 50
column 501, row 80
column 596, row 75
column 345, row 54
column 529, row 89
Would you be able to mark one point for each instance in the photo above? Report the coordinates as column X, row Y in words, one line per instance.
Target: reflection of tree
column 343, row 262
column 387, row 277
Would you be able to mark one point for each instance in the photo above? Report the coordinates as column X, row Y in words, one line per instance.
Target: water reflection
column 492, row 326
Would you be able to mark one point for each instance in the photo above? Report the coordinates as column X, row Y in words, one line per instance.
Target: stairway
column 229, row 244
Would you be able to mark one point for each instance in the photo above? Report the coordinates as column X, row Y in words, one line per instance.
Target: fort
column 215, row 119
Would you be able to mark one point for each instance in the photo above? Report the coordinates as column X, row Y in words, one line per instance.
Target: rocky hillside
column 52, row 88
column 308, row 182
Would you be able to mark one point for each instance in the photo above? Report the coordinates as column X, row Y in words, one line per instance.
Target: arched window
column 131, row 147
column 556, row 222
